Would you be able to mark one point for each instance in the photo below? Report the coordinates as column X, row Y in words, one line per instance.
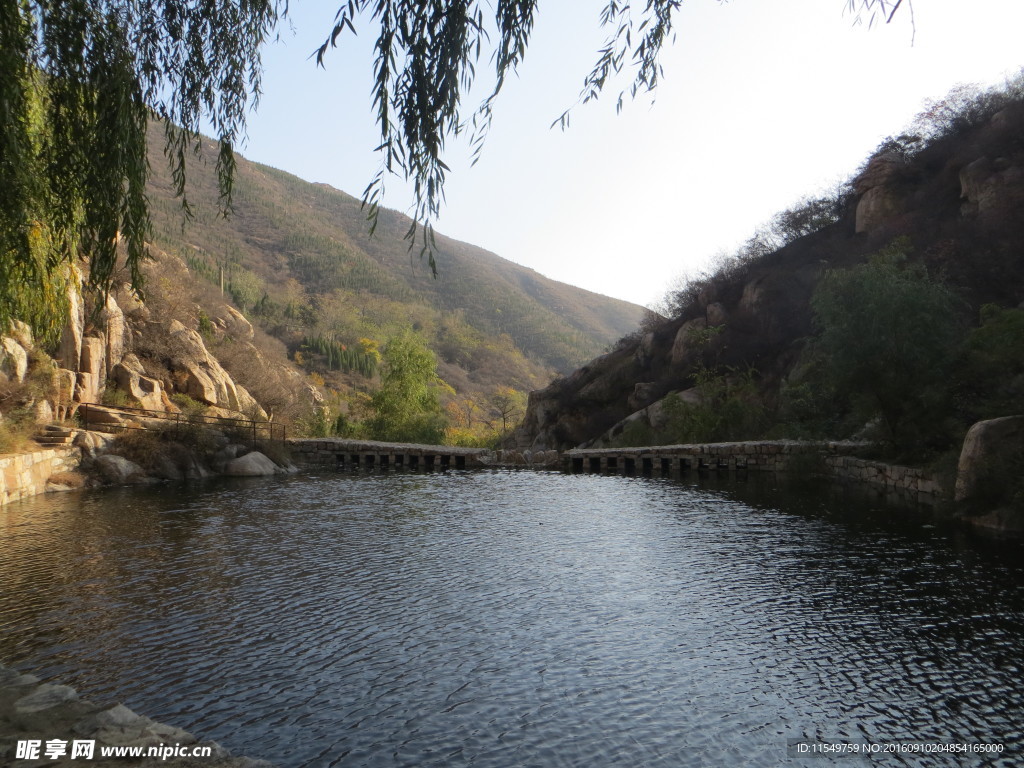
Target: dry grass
column 69, row 479
column 16, row 437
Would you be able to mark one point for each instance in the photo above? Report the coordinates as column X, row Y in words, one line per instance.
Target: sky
column 762, row 103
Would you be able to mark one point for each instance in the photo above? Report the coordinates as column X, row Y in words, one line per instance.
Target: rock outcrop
column 33, row 713
column 990, row 187
column 990, row 465
column 252, row 464
column 13, row 359
column 878, row 200
column 130, row 377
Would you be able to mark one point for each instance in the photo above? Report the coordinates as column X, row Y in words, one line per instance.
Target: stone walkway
column 54, row 716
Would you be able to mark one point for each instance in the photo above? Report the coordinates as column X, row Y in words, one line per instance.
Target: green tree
column 406, row 407
column 887, row 331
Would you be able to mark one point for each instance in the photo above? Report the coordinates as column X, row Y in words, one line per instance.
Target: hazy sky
column 762, row 103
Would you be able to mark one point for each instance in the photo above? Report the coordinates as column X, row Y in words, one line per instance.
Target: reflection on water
column 499, row 619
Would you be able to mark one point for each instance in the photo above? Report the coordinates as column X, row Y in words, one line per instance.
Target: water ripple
column 498, row 619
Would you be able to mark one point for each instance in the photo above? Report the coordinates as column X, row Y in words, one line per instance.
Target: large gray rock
column 685, row 339
column 988, row 447
column 205, row 378
column 114, row 331
column 69, row 353
column 991, row 186
column 877, row 201
column 119, row 470
column 130, row 377
column 13, row 359
column 65, row 383
column 235, row 323
column 92, row 370
column 45, row 697
column 717, row 314
column 91, row 443
column 253, row 464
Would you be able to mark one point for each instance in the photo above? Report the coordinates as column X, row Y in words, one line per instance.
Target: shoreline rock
column 34, row 711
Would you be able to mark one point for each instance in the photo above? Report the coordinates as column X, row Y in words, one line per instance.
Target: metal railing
column 265, row 430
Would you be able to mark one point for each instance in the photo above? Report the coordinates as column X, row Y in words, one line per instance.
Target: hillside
column 746, row 350
column 299, row 260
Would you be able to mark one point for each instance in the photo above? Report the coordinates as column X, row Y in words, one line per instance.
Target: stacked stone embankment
column 26, row 474
column 36, row 717
column 891, row 477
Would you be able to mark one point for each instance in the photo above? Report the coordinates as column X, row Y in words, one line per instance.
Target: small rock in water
column 44, row 697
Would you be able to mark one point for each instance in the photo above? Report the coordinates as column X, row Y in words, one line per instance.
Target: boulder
column 643, row 394
column 91, row 442
column 45, row 697
column 93, row 357
column 235, row 324
column 988, row 449
column 683, row 342
column 95, row 414
column 92, row 370
column 43, row 412
column 69, row 352
column 13, row 359
column 112, row 319
column 65, row 383
column 205, row 379
column 874, row 207
column 130, row 377
column 645, row 349
column 165, row 468
column 991, row 186
column 878, row 172
column 130, row 303
column 253, row 464
column 717, row 314
column 753, row 296
column 228, row 453
column 21, row 333
column 119, row 470
column 877, row 199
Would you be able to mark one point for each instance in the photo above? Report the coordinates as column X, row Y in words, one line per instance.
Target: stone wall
column 892, row 477
column 25, row 474
column 758, row 455
column 830, row 458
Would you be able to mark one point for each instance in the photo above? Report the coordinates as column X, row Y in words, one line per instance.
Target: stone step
column 54, row 439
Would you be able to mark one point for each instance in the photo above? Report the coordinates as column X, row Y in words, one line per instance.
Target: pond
column 497, row 618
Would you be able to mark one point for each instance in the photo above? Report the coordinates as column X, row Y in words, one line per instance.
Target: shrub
column 729, row 408
column 117, row 398
column 990, row 368
column 190, row 407
column 886, row 332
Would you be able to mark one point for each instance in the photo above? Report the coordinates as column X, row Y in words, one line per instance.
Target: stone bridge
column 335, row 452
column 761, row 455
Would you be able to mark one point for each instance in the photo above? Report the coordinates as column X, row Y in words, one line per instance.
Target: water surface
column 518, row 619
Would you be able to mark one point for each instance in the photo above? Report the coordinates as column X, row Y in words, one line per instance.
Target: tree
column 507, row 405
column 887, row 333
column 78, row 84
column 79, row 81
column 406, row 407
